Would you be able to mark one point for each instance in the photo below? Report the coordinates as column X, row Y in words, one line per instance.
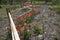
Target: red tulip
column 18, row 19
column 26, row 15
column 20, row 37
column 25, row 21
column 20, row 25
column 21, row 29
column 9, row 28
column 30, row 14
column 22, row 18
column 18, row 28
column 25, row 24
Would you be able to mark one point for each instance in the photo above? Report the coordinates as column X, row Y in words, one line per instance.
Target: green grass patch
column 37, row 2
column 14, row 7
column 55, row 8
column 2, row 10
column 2, row 13
column 1, row 39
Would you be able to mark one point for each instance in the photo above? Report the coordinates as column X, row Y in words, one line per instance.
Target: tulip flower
column 30, row 14
column 25, row 21
column 18, row 28
column 25, row 24
column 9, row 28
column 21, row 29
column 18, row 19
column 26, row 15
column 20, row 25
column 22, row 18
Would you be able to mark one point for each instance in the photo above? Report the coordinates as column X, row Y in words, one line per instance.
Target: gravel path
column 50, row 22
